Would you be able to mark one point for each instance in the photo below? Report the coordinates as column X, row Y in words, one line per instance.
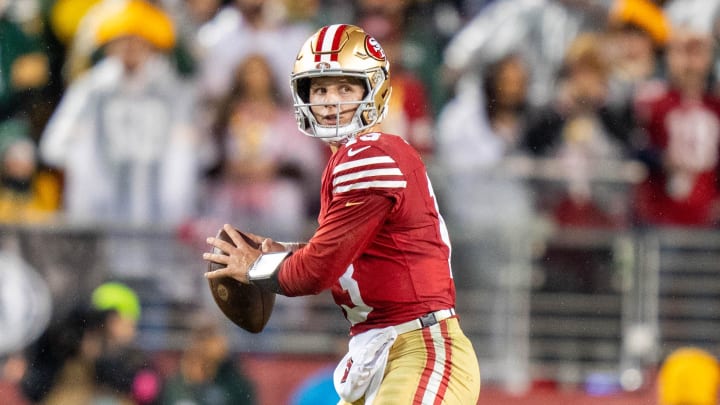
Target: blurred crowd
column 616, row 102
column 177, row 113
column 589, row 113
column 595, row 113
column 90, row 356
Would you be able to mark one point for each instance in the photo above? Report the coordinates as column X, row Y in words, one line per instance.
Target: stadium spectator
column 540, row 30
column 123, row 372
column 24, row 72
column 578, row 130
column 61, row 362
column 477, row 130
column 27, row 193
column 74, row 24
column 89, row 355
column 261, row 183
column 410, row 111
column 241, row 28
column 414, row 35
column 125, row 134
column 208, row 373
column 27, row 308
column 191, row 18
column 681, row 137
column 634, row 42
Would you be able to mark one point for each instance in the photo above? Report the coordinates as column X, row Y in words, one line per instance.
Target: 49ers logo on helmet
column 373, row 48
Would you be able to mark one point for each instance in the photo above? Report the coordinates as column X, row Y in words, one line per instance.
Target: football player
column 381, row 246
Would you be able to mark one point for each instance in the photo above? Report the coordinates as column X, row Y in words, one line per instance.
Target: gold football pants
column 430, row 366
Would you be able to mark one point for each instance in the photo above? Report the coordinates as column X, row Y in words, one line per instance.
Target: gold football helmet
column 341, row 50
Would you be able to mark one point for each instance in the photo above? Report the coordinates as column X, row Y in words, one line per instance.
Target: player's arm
column 350, row 225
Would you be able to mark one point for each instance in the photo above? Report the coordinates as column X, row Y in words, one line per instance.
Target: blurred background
column 573, row 145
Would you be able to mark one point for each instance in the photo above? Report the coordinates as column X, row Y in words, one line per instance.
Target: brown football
column 246, row 305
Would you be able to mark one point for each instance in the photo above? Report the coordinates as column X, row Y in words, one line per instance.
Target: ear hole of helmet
column 303, row 89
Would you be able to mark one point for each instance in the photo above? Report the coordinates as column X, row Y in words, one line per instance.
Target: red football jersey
column 688, row 132
column 381, row 245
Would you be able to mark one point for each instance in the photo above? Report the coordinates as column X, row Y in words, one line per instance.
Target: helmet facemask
column 365, row 116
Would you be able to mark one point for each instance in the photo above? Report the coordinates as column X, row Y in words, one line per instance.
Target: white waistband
column 424, row 321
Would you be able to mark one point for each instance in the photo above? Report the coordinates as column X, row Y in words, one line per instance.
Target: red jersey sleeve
column 350, row 225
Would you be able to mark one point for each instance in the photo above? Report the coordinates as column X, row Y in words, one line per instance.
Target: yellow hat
column 65, row 17
column 644, row 14
column 689, row 376
column 119, row 297
column 137, row 18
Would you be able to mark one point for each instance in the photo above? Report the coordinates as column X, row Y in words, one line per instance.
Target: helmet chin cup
column 337, row 133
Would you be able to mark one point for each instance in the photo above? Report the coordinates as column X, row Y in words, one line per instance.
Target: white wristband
column 266, row 265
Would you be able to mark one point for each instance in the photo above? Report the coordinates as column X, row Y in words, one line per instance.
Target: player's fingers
column 233, row 234
column 216, row 258
column 219, row 273
column 236, row 237
column 268, row 245
column 220, row 244
column 227, row 272
column 257, row 240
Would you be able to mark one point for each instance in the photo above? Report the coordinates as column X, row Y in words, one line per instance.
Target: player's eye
column 318, row 90
column 347, row 90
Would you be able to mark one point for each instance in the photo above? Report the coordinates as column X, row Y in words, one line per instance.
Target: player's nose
column 331, row 103
column 332, row 96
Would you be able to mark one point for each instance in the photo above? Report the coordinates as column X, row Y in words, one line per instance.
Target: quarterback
column 381, row 246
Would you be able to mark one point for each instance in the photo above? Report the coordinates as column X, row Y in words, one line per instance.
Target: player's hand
column 237, row 257
column 266, row 245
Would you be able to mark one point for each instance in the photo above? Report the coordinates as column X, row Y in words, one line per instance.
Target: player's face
column 329, row 91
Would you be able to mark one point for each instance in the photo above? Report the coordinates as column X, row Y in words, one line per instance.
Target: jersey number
column 359, row 312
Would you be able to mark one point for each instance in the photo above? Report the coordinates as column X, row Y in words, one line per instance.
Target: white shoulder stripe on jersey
column 362, row 162
column 393, row 171
column 370, row 184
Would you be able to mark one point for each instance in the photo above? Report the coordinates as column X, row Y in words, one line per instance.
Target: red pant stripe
column 429, row 365
column 448, row 363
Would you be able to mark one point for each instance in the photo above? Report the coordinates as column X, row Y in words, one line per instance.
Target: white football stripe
column 370, row 184
column 328, row 40
column 433, row 386
column 362, row 162
column 393, row 171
